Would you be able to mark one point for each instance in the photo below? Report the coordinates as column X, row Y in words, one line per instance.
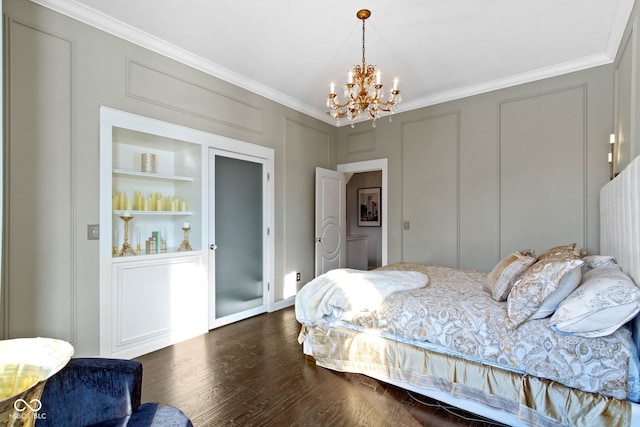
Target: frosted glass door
column 238, row 230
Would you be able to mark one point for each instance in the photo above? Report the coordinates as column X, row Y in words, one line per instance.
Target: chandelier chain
column 363, row 61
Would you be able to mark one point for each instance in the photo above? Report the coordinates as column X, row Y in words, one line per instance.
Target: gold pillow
column 563, row 252
column 505, row 274
column 534, row 286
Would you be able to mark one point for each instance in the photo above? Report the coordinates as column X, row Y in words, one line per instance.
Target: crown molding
column 124, row 31
column 131, row 34
column 509, row 81
column 620, row 21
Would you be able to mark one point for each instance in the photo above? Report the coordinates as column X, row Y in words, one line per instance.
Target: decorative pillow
column 595, row 261
column 503, row 276
column 562, row 253
column 529, row 252
column 568, row 284
column 606, row 300
column 534, row 286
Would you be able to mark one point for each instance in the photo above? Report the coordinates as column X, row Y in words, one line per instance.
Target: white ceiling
column 290, row 50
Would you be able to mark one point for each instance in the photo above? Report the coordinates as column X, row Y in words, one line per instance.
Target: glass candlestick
column 126, row 247
column 114, row 244
column 163, row 240
column 137, row 240
column 185, row 245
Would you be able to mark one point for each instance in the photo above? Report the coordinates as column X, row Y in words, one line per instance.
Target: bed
column 541, row 340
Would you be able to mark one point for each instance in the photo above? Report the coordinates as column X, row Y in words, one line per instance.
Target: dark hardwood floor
column 253, row 373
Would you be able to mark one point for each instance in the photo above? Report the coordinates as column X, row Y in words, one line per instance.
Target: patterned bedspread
column 454, row 311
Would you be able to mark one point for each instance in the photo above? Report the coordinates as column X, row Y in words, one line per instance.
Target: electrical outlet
column 297, row 276
column 93, row 232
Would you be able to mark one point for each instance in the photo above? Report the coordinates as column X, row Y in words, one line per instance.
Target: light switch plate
column 93, row 232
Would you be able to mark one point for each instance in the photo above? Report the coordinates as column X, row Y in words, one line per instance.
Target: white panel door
column 330, row 246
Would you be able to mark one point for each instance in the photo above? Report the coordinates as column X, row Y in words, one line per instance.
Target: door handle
column 213, row 247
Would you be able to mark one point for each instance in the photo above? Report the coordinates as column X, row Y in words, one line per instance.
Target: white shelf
column 156, row 213
column 169, row 254
column 138, row 174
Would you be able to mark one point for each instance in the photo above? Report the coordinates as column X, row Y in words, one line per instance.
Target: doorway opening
column 363, row 226
column 367, row 241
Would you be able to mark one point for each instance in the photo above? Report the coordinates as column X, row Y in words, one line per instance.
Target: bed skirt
column 533, row 401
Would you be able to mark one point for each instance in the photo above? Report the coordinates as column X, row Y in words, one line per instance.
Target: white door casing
column 330, row 222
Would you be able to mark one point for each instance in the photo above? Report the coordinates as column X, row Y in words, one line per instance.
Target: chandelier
column 363, row 91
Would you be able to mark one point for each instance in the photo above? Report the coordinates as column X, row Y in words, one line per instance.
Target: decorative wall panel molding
column 430, row 190
column 626, row 100
column 41, row 194
column 542, row 170
column 306, row 148
column 187, row 97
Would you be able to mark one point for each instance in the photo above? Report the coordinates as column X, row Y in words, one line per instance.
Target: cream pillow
column 534, row 286
column 506, row 272
column 606, row 300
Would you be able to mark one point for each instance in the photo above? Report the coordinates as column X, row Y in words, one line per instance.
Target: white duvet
column 345, row 291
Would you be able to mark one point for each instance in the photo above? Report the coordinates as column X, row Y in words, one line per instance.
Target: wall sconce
column 612, row 143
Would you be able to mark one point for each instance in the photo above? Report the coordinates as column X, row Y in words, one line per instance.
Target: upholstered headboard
column 620, row 224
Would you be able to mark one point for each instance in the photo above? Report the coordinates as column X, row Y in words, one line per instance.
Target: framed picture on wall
column 369, row 207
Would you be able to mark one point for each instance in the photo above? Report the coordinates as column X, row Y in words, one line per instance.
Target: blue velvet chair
column 103, row 392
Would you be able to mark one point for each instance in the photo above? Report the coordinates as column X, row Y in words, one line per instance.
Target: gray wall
column 59, row 72
column 627, row 95
column 480, row 177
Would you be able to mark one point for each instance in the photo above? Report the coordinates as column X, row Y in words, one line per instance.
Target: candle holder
column 126, row 247
column 138, row 240
column 185, row 245
column 114, row 243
